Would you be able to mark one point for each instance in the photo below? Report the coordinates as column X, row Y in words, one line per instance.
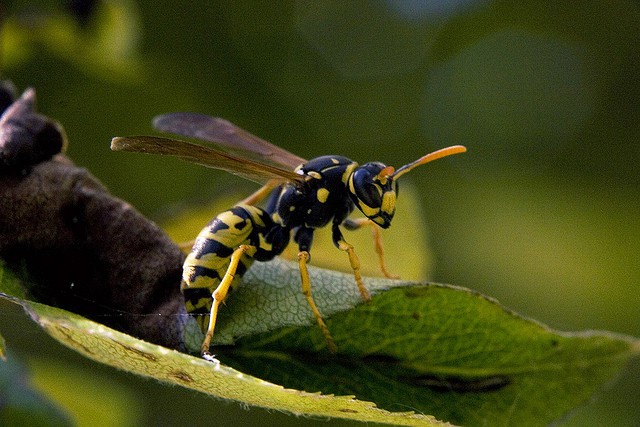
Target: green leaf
column 124, row 352
column 415, row 349
column 444, row 351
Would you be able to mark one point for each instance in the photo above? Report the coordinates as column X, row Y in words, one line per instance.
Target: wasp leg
column 262, row 192
column 303, row 258
column 341, row 244
column 354, row 224
column 187, row 246
column 220, row 294
column 355, row 266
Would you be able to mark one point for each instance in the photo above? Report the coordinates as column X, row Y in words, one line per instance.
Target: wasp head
column 373, row 187
column 374, row 192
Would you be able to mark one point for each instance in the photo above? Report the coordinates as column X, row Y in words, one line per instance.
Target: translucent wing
column 228, row 136
column 205, row 156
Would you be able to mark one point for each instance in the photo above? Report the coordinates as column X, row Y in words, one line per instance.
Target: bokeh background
column 542, row 213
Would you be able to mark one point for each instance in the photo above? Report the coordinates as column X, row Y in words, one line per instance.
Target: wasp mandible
column 301, row 196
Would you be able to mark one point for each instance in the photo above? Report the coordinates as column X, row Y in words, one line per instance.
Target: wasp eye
column 365, row 189
column 370, row 194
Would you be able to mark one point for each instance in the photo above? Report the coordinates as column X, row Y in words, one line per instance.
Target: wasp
column 299, row 197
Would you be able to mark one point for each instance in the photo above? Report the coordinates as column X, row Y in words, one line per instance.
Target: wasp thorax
column 373, row 190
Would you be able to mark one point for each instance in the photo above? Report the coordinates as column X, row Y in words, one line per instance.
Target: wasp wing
column 205, row 156
column 228, row 136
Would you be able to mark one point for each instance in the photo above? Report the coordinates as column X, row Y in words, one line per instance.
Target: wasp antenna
column 443, row 152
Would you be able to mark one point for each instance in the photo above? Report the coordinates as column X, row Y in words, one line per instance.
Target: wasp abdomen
column 208, row 262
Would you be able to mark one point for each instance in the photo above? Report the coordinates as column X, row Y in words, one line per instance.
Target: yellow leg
column 355, row 266
column 220, row 294
column 262, row 192
column 186, row 246
column 377, row 244
column 303, row 258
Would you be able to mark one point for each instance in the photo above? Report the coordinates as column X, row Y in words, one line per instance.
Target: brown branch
column 84, row 250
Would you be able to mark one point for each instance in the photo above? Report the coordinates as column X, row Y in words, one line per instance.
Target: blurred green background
column 542, row 213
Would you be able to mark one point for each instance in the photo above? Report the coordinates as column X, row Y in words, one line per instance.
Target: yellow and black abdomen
column 209, row 259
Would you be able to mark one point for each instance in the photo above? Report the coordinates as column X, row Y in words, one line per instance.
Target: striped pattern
column 209, row 259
